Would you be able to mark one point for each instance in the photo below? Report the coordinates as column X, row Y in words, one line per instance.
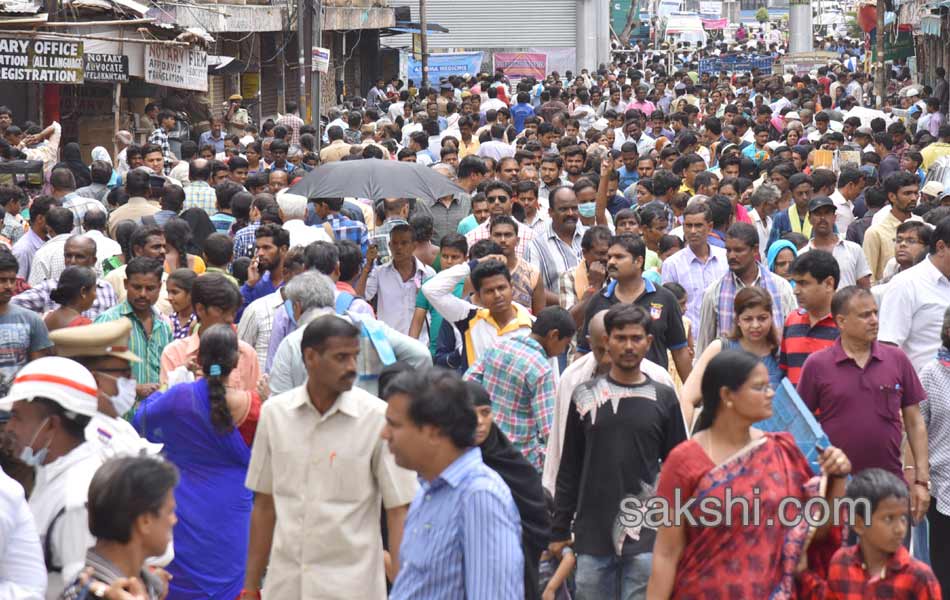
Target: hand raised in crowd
column 372, row 253
column 253, row 273
column 597, row 275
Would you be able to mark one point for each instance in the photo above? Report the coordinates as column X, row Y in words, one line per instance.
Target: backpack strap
column 343, row 302
column 48, row 544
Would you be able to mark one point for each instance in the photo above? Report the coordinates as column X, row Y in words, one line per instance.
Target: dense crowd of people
column 211, row 382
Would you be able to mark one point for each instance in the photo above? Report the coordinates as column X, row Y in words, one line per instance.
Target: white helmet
column 64, row 381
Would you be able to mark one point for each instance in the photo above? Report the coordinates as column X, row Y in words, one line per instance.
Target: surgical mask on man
column 36, row 459
column 123, row 401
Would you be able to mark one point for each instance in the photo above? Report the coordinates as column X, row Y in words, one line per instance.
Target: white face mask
column 35, row 459
column 125, row 399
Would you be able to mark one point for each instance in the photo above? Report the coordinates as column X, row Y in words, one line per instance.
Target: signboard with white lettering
column 108, row 68
column 41, row 61
column 177, row 66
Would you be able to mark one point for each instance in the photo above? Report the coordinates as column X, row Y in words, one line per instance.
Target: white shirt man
column 913, row 307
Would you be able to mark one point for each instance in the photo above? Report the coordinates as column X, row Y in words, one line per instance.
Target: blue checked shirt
column 245, row 244
column 345, row 228
column 462, row 537
column 198, row 194
column 518, row 376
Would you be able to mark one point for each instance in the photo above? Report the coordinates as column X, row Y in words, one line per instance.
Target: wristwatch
column 926, row 484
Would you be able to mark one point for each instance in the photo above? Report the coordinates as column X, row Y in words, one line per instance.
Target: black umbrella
column 374, row 179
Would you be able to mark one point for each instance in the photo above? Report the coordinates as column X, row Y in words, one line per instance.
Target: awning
column 225, row 65
column 416, row 28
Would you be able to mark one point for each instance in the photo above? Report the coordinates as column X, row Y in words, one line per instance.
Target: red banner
column 712, row 24
column 518, row 65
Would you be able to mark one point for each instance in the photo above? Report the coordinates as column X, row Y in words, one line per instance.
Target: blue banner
column 734, row 63
column 445, row 65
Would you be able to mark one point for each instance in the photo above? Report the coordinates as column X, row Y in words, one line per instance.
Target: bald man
column 79, row 251
column 278, row 180
column 595, row 363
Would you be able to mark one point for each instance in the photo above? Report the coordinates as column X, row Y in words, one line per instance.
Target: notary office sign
column 107, row 68
column 41, row 61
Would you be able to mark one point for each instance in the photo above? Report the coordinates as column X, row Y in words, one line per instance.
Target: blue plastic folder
column 790, row 414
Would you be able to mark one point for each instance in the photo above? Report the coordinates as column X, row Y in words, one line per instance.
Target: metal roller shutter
column 496, row 23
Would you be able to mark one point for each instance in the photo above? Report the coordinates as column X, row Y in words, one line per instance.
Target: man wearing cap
column 103, row 348
column 929, row 194
column 852, row 264
column 52, row 400
column 237, row 118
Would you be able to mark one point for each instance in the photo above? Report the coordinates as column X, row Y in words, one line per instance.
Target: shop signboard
column 734, row 63
column 177, row 66
column 41, row 61
column 444, row 65
column 518, row 65
column 106, row 68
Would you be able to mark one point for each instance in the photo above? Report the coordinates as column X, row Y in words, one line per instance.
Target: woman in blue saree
column 207, row 431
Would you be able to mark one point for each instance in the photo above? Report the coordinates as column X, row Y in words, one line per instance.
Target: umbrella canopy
column 374, row 179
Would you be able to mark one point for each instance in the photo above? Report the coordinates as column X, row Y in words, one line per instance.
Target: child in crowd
column 878, row 566
column 555, row 571
column 218, row 252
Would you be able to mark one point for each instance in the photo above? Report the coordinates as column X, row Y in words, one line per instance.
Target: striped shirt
column 50, row 260
column 686, row 269
column 517, row 374
column 38, row 299
column 147, row 347
column 257, row 323
column 104, row 571
column 553, row 257
column 462, row 537
column 801, row 338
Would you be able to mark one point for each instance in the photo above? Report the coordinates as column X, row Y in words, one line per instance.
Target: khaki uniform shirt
column 328, row 475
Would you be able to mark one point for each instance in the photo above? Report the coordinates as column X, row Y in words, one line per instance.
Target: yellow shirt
column 879, row 245
column 932, row 152
column 468, row 149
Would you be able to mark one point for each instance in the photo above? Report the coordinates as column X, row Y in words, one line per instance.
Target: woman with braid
column 207, row 429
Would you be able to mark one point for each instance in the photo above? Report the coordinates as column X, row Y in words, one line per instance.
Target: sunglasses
column 497, row 199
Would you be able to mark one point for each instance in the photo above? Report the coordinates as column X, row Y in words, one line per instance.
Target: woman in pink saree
column 717, row 551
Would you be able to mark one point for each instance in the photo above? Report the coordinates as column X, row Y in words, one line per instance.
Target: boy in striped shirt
column 810, row 327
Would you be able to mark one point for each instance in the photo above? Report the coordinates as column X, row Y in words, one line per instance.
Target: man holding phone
column 578, row 285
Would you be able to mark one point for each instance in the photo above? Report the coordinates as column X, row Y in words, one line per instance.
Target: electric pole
column 315, row 74
column 302, row 57
column 879, row 50
column 424, row 42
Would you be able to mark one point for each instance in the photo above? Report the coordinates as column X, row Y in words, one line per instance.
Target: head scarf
column 520, row 476
column 100, row 153
column 72, row 160
column 777, row 247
